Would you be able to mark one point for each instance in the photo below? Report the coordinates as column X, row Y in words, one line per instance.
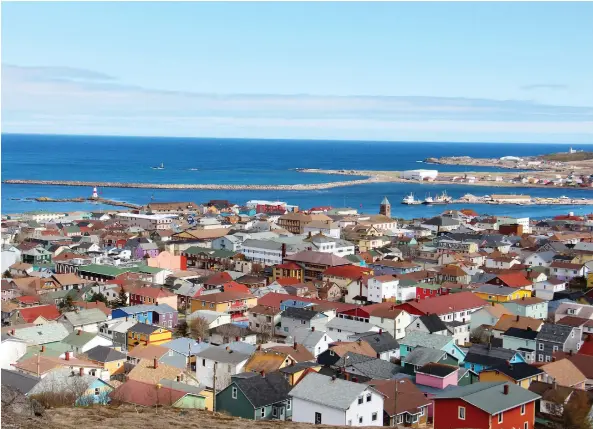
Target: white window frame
column 523, row 409
column 374, row 417
column 500, row 417
column 540, row 346
column 263, row 412
column 288, row 404
column 234, row 392
column 460, row 411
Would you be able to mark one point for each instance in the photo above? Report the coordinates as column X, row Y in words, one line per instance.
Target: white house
column 319, row 227
column 320, row 399
column 324, row 244
column 81, row 341
column 293, row 318
column 213, row 318
column 87, row 320
column 567, row 270
column 540, row 259
column 392, row 320
column 11, row 350
column 340, row 329
column 229, row 242
column 315, row 341
column 10, row 255
column 228, row 362
column 146, row 221
column 546, row 289
column 382, row 288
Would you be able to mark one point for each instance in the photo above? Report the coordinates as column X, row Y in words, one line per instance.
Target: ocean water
column 238, row 161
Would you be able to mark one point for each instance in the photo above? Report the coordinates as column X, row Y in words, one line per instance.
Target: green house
column 467, row 376
column 257, row 397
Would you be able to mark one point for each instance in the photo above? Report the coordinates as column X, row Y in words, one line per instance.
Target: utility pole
column 214, row 388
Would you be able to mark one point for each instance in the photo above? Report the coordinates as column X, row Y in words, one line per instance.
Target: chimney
column 312, row 329
column 294, row 346
column 283, row 251
column 126, row 318
column 12, row 332
column 42, row 348
column 492, row 303
column 355, row 379
column 523, row 298
column 81, row 372
column 506, row 389
column 517, row 317
column 78, row 332
column 258, row 347
column 570, row 352
column 380, row 331
column 263, row 373
column 156, row 363
column 333, row 378
column 67, row 357
column 236, row 338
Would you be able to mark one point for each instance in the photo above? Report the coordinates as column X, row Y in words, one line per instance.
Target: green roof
column 216, row 253
column 146, row 269
column 105, row 270
column 354, row 258
column 72, row 228
column 78, row 339
column 51, row 350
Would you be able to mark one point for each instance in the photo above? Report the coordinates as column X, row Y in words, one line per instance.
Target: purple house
column 143, row 250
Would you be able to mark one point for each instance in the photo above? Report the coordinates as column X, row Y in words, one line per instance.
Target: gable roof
column 517, row 371
column 379, row 341
column 422, row 339
column 145, row 394
column 266, row 360
column 312, row 257
column 514, row 279
column 79, row 338
column 376, row 368
column 484, row 355
column 301, row 313
column 490, row 397
column 360, row 347
column 347, row 271
column 433, row 323
column 421, row 356
column 48, row 312
column 554, row 333
column 85, row 317
column 508, row 321
column 437, row 369
column 104, row 354
column 19, row 380
column 527, row 334
column 408, row 399
column 263, row 390
column 297, row 351
column 328, row 391
column 564, row 372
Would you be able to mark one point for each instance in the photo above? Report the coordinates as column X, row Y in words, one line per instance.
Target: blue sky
column 501, row 72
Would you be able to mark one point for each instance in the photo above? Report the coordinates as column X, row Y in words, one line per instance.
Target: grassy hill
column 567, row 157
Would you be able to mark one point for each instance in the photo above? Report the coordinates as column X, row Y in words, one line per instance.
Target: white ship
column 410, row 200
column 442, row 199
column 428, row 200
column 160, row 167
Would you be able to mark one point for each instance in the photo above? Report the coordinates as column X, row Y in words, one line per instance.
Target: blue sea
column 242, row 161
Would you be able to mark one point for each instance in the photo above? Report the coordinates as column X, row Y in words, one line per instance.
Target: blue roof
column 143, row 308
column 183, row 345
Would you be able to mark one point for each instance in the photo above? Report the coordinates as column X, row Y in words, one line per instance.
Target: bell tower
column 385, row 208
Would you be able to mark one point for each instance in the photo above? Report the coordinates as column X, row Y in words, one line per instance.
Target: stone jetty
column 200, row 187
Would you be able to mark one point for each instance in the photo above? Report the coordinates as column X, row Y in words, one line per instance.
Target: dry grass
column 125, row 417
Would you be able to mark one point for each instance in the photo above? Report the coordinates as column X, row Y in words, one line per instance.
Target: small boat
column 160, row 167
column 428, row 200
column 410, row 200
column 442, row 199
column 192, row 169
column 420, row 161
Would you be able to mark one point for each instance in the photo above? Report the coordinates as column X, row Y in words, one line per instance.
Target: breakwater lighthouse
column 95, row 193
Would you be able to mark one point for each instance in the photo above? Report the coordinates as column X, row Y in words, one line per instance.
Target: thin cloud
column 545, row 86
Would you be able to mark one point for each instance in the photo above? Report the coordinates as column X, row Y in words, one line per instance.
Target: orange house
column 143, row 334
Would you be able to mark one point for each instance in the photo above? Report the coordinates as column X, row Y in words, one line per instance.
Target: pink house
column 168, row 261
column 437, row 375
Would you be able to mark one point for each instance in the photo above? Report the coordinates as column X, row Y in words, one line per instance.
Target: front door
column 317, row 418
column 281, row 414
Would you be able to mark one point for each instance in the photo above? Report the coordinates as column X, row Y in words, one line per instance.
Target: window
column 540, row 346
column 374, row 417
column 526, row 425
column 234, row 393
column 275, row 412
column 500, row 418
column 548, row 359
column 400, row 418
column 417, row 325
column 572, row 334
column 540, row 358
column 360, row 420
column 203, row 362
column 288, row 404
column 263, row 412
column 523, row 409
column 97, row 392
column 360, row 400
column 369, row 397
column 422, row 411
column 331, row 353
column 170, row 352
column 303, row 322
column 317, row 418
column 286, row 329
column 461, row 413
column 555, row 348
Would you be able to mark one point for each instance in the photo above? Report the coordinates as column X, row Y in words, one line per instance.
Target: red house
column 494, row 405
column 424, row 291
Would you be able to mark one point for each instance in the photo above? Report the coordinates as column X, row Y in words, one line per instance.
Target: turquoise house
column 439, row 342
column 483, row 356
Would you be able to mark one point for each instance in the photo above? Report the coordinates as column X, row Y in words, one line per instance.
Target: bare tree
column 480, row 335
column 198, row 328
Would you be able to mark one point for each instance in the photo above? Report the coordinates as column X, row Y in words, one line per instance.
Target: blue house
column 481, row 357
column 295, row 304
column 390, row 267
column 415, row 339
column 142, row 313
column 180, row 352
column 89, row 389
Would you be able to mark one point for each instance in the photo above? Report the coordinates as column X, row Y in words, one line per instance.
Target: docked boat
column 428, row 200
column 160, row 167
column 442, row 199
column 410, row 200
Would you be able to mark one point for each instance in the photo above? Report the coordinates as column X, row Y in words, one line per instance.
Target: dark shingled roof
column 483, row 355
column 299, row 366
column 144, row 328
column 299, row 313
column 433, row 323
column 104, row 354
column 527, row 334
column 18, row 380
column 554, row 333
column 380, row 342
column 262, row 391
column 438, row 369
column 517, row 371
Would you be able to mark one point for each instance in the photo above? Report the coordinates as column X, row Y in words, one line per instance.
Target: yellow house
column 581, row 258
column 496, row 293
column 110, row 358
column 267, row 361
column 522, row 374
column 143, row 334
column 288, row 269
column 231, row 302
column 295, row 372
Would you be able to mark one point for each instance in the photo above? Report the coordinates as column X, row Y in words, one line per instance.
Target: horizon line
column 269, row 139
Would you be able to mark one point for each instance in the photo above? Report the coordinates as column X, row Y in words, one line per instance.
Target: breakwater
column 85, row 200
column 196, row 186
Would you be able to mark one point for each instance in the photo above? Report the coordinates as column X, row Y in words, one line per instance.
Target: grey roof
column 308, row 338
column 221, row 354
column 351, row 358
column 300, row 313
column 297, row 367
column 43, row 334
column 85, row 316
column 485, row 355
column 554, row 333
column 335, row 393
column 144, row 328
column 79, row 338
column 176, row 385
column 422, row 339
column 420, row 356
column 19, row 380
column 526, row 334
column 490, row 396
column 380, row 342
column 377, row 369
column 349, row 325
column 433, row 323
column 495, row 290
column 61, row 379
column 262, row 391
column 441, row 221
column 262, row 244
column 185, row 346
column 104, row 354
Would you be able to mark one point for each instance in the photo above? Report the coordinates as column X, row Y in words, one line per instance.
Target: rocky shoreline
column 85, row 200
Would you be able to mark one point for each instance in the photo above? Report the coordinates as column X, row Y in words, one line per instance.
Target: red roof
column 48, row 312
column 287, row 281
column 235, row 287
column 289, row 266
column 274, row 299
column 587, row 347
column 513, row 280
column 152, row 292
column 218, row 279
column 442, row 304
column 347, row 271
column 144, row 394
column 28, row 299
column 88, row 305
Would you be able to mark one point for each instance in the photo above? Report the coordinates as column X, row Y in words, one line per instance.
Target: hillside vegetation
column 567, row 157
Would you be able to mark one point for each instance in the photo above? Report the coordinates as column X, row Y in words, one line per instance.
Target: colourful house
column 481, row 357
column 143, row 334
column 152, row 296
column 163, row 315
column 493, row 405
column 521, row 374
column 287, row 270
column 233, row 303
column 96, row 391
column 494, row 293
column 437, row 375
column 439, row 342
column 112, row 360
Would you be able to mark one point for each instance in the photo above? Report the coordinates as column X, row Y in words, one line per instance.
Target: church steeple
column 385, row 207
